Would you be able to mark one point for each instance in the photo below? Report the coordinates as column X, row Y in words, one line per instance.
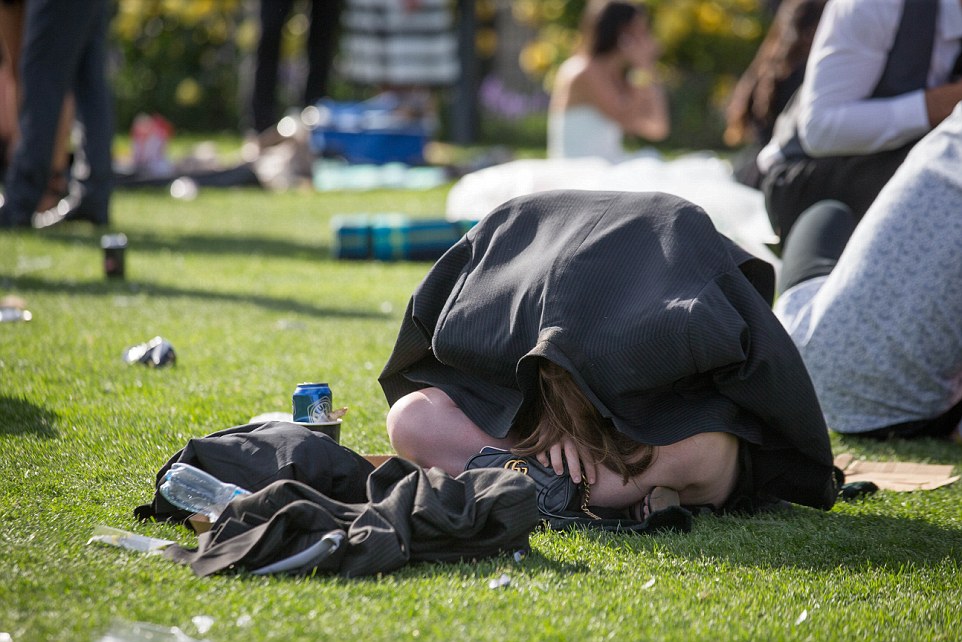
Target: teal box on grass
column 394, row 237
column 397, row 238
column 352, row 237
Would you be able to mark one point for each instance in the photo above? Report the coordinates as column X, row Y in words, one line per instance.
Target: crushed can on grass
column 158, row 352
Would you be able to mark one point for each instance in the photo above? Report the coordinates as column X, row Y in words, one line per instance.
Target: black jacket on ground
column 412, row 515
column 665, row 324
column 305, row 486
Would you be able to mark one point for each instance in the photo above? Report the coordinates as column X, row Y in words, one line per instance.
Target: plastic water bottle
column 197, row 491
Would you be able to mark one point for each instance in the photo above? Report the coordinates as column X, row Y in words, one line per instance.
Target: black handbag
column 558, row 495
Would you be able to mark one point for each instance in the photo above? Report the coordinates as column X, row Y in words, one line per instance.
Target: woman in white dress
column 608, row 88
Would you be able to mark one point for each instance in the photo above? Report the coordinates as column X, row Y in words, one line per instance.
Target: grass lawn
column 242, row 283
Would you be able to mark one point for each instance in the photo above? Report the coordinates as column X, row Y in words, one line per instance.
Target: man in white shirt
column 879, row 77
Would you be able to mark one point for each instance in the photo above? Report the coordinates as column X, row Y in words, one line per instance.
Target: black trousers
column 64, row 49
column 321, row 44
column 815, row 243
column 792, row 186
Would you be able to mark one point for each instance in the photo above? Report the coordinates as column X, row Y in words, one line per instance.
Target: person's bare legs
column 428, row 428
column 11, row 37
column 12, row 19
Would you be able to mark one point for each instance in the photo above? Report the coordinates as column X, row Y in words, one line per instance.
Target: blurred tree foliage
column 180, row 58
column 185, row 58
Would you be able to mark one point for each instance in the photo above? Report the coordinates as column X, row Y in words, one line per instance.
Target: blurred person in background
column 404, row 48
column 772, row 78
column 609, row 88
column 64, row 50
column 321, row 45
column 881, row 74
column 12, row 19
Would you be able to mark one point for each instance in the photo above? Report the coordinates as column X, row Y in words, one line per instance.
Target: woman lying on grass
column 617, row 333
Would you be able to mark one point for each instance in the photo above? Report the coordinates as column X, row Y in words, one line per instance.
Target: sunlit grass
column 242, row 283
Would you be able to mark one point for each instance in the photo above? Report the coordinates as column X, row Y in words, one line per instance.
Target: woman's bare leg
column 428, row 428
column 11, row 39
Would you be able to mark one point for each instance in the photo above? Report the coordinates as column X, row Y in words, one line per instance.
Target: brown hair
column 603, row 22
column 774, row 74
column 563, row 410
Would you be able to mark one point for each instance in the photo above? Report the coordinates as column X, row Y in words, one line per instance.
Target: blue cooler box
column 367, row 133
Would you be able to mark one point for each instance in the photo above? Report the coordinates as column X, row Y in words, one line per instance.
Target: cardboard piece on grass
column 901, row 476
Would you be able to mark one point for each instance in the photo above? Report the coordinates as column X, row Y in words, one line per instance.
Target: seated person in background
column 609, row 88
column 617, row 333
column 879, row 328
column 772, row 78
column 879, row 77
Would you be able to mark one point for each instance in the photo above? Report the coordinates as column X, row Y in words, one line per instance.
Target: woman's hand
column 568, row 451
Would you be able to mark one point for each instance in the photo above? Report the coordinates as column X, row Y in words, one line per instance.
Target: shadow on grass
column 21, row 417
column 301, row 248
column 106, row 288
column 481, row 570
column 809, row 539
column 940, row 451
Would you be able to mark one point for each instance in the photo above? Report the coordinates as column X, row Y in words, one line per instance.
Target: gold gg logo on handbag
column 518, row 465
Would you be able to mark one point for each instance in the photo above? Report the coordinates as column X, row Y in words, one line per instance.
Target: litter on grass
column 203, row 623
column 122, row 631
column 13, row 308
column 501, row 582
column 124, row 539
column 158, row 352
column 900, row 476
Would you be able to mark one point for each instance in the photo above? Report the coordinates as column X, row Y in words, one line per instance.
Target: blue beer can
column 312, row 403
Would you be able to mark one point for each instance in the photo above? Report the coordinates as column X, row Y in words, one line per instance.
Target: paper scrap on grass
column 902, row 476
column 501, row 582
column 130, row 541
column 203, row 623
column 122, row 631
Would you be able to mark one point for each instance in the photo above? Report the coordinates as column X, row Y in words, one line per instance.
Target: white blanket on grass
column 737, row 211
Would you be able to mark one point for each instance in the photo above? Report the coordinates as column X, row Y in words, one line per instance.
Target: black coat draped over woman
column 664, row 324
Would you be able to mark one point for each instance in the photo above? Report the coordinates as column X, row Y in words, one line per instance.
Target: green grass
column 243, row 285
